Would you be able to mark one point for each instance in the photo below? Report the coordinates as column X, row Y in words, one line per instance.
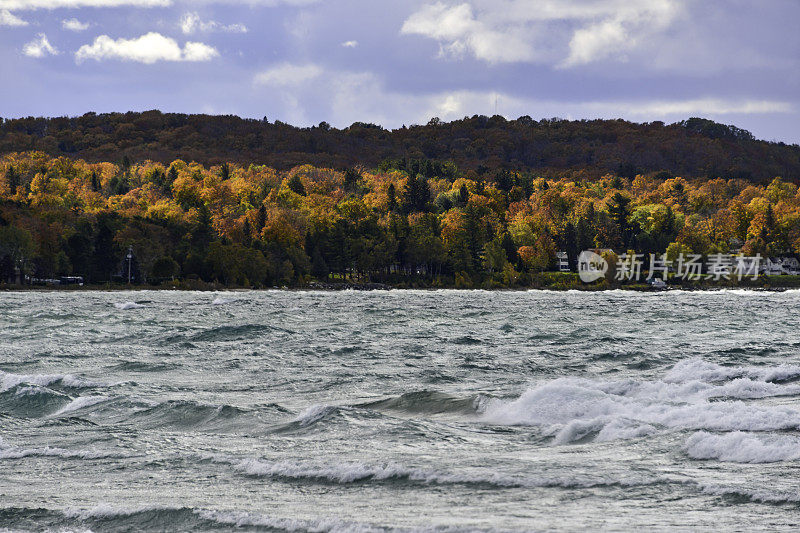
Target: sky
column 396, row 62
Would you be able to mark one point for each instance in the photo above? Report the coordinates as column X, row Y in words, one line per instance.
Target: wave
column 242, row 519
column 10, row 452
column 9, row 380
column 697, row 369
column 466, row 340
column 219, row 300
column 349, row 472
column 143, row 366
column 124, row 306
column 751, row 494
column 741, row 447
column 187, row 414
column 427, row 402
column 156, row 518
column 79, row 403
column 310, row 417
column 576, row 410
column 357, row 472
column 31, row 401
column 227, row 333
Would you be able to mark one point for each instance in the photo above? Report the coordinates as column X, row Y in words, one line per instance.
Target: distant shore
column 765, row 283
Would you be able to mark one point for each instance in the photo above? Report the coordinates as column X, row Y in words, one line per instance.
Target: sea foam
column 741, row 447
column 693, row 395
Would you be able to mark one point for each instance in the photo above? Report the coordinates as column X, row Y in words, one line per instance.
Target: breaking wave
column 358, row 472
column 9, row 380
column 693, row 395
column 741, row 447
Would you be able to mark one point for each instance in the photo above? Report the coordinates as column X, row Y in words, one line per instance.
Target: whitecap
column 127, row 305
column 575, row 409
column 79, row 403
column 354, row 471
column 9, row 380
column 313, row 414
column 742, row 447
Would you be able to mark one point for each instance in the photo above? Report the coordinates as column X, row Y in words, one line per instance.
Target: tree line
column 407, row 221
column 584, row 149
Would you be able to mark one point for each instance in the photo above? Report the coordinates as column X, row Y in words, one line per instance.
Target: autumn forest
column 75, row 197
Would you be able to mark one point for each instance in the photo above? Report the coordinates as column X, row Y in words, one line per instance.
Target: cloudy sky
column 397, row 62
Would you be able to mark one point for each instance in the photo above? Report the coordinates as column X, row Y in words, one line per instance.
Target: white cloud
column 148, row 49
column 7, row 18
column 350, row 44
column 58, row 4
column 621, row 31
column 715, row 106
column 288, row 75
column 503, row 31
column 191, row 23
column 39, row 47
column 347, row 97
column 452, row 105
column 74, row 24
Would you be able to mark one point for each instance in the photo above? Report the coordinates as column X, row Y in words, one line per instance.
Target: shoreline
column 375, row 287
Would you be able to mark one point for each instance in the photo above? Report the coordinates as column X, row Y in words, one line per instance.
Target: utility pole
column 130, row 257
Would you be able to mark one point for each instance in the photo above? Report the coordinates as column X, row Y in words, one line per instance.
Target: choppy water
column 449, row 410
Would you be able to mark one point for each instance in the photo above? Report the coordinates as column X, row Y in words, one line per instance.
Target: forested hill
column 694, row 148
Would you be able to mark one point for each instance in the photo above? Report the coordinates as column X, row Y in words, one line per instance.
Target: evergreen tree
column 584, row 234
column 172, row 175
column 7, row 269
column 510, row 248
column 351, row 179
column 296, row 185
column 203, row 232
column 95, row 181
column 318, row 265
column 247, row 230
column 504, row 180
column 13, row 179
column 463, row 194
column 417, row 194
column 619, row 210
column 261, row 220
column 105, row 258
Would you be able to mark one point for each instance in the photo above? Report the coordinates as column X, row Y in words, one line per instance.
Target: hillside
column 695, row 148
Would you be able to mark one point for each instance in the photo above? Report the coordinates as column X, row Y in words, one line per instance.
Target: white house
column 771, row 266
column 791, row 265
column 562, row 262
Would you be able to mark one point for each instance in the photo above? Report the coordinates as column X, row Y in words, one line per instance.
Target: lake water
column 401, row 410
